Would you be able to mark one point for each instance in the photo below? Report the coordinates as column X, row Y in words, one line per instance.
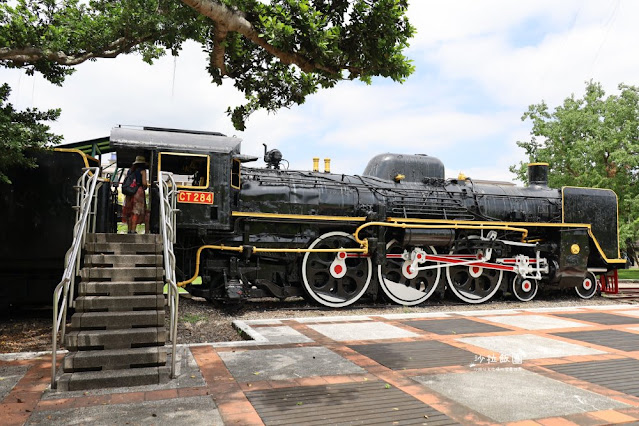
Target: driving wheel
column 402, row 286
column 473, row 284
column 336, row 279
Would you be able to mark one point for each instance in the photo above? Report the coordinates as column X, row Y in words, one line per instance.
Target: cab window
column 235, row 174
column 189, row 170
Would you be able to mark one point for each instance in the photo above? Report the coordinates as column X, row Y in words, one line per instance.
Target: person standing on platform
column 134, row 208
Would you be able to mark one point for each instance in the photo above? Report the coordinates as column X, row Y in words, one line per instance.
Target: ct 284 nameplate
column 195, row 197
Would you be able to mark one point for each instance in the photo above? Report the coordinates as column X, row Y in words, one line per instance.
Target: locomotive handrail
column 168, row 199
column 85, row 187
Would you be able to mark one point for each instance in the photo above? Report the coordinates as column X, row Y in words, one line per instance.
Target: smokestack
column 538, row 174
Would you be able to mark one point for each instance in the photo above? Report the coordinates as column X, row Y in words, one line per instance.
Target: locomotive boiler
column 400, row 230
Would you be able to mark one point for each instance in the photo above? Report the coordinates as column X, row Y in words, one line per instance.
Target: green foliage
column 276, row 52
column 591, row 141
column 287, row 50
column 68, row 32
column 20, row 130
column 361, row 39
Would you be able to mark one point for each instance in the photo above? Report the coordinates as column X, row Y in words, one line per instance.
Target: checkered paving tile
column 349, row 403
column 617, row 374
column 410, row 355
column 611, row 338
column 454, row 326
column 601, row 318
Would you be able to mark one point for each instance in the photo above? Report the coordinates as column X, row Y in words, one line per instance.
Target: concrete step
column 115, row 339
column 119, row 288
column 121, row 260
column 123, row 248
column 114, row 359
column 124, row 238
column 155, row 273
column 113, row 378
column 116, row 320
column 119, row 303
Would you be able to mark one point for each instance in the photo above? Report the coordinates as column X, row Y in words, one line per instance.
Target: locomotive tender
column 400, row 230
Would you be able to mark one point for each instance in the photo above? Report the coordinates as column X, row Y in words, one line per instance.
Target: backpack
column 130, row 185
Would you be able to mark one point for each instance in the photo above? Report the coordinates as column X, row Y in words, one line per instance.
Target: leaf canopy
column 592, row 141
column 276, row 52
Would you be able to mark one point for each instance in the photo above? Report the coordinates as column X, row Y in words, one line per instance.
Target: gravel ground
column 200, row 321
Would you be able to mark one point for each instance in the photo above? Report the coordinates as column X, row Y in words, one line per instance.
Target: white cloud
column 594, row 46
column 442, row 22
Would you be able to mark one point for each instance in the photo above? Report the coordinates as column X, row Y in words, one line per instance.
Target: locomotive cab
column 205, row 165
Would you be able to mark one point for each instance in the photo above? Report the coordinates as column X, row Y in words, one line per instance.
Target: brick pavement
column 301, row 395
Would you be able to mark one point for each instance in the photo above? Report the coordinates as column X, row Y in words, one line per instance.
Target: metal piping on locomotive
column 363, row 242
column 251, row 249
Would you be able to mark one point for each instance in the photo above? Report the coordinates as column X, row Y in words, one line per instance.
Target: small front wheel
column 588, row 287
column 524, row 289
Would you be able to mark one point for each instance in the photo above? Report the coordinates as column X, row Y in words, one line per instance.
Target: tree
column 20, row 130
column 276, row 52
column 591, row 141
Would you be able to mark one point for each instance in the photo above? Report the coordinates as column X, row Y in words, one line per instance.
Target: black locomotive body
column 400, row 231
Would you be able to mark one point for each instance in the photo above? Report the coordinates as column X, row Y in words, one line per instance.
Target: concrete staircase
column 117, row 332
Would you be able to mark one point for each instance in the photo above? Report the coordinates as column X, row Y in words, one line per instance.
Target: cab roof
column 153, row 138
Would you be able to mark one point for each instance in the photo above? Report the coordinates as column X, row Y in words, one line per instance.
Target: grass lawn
column 629, row 274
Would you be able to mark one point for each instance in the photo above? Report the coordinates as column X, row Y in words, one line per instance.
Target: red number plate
column 195, row 197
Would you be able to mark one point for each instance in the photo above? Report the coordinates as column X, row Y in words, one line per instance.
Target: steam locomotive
column 399, row 231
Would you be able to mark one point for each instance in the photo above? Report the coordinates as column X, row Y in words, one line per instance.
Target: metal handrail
column 168, row 199
column 86, row 189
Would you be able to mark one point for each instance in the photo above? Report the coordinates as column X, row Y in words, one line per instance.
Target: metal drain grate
column 601, row 318
column 611, row 338
column 617, row 374
column 454, row 326
column 410, row 355
column 343, row 404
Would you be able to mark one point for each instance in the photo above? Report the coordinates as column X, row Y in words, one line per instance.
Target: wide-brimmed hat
column 139, row 160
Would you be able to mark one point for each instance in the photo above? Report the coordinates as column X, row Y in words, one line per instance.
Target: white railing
column 64, row 291
column 168, row 199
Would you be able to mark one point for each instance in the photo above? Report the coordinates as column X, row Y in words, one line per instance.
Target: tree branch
column 217, row 55
column 30, row 55
column 226, row 19
column 235, row 20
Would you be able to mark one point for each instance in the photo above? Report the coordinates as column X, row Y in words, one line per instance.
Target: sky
column 479, row 65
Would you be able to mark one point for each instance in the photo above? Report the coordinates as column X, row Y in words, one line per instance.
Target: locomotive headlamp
column 399, row 177
column 574, row 249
